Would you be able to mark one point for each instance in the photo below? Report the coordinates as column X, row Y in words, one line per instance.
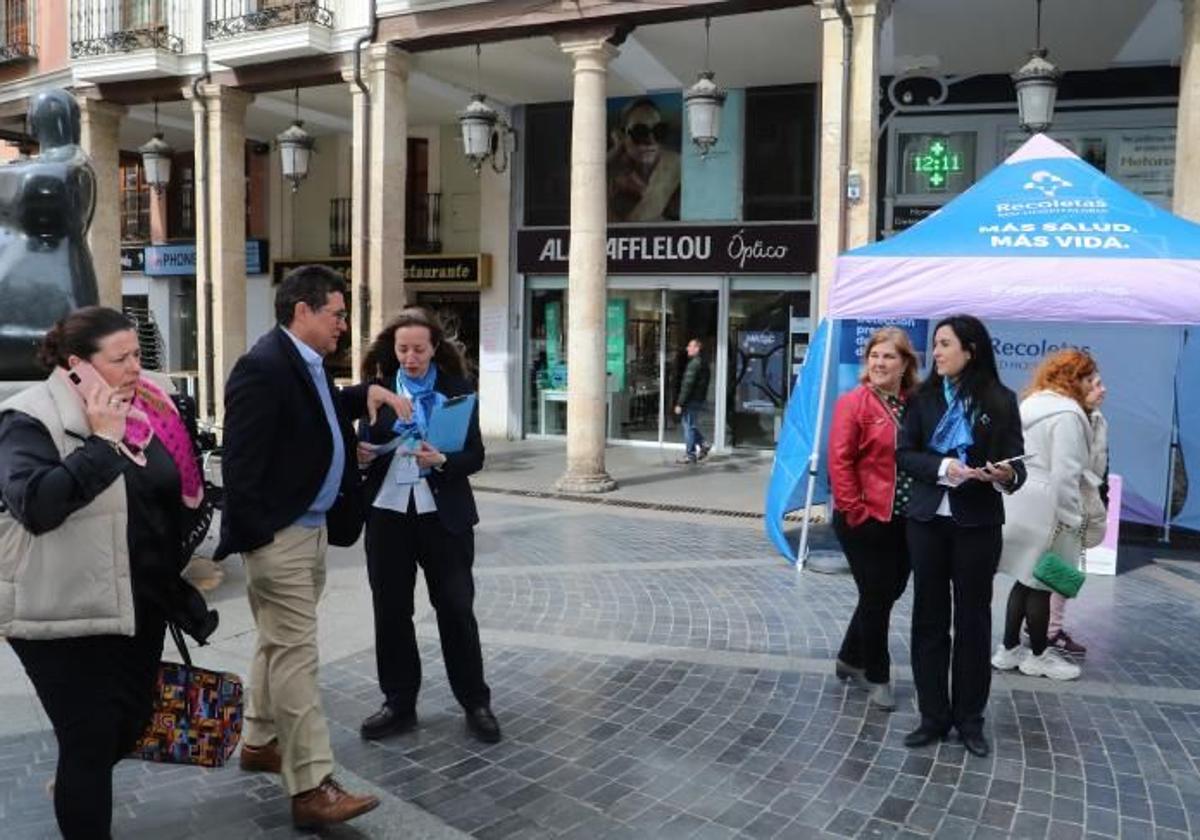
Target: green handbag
column 1058, row 574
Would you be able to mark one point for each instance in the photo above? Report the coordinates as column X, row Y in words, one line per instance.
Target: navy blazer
column 450, row 485
column 277, row 448
column 997, row 434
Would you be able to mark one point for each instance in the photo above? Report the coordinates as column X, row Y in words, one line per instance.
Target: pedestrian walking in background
column 291, row 491
column 98, row 476
column 693, row 391
column 1051, row 512
column 422, row 512
column 958, row 435
column 869, row 497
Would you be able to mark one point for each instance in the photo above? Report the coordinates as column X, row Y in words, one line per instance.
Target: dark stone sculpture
column 46, row 206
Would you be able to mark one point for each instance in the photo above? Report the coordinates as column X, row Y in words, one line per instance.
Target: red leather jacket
column 862, row 457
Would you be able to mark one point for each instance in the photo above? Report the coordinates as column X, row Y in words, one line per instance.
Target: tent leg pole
column 814, row 459
column 1166, row 529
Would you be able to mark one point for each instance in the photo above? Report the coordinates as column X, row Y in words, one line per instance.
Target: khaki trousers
column 284, row 581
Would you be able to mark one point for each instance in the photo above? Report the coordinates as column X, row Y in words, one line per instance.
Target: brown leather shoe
column 264, row 759
column 328, row 804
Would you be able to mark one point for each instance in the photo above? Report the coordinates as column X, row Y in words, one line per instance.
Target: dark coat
column 277, row 448
column 450, row 485
column 997, row 433
column 694, row 387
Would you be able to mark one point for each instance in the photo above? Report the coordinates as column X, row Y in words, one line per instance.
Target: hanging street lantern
column 486, row 134
column 295, row 145
column 704, row 101
column 1037, row 85
column 156, row 158
column 478, row 122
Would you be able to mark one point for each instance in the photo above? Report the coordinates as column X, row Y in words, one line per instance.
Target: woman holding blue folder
column 423, row 512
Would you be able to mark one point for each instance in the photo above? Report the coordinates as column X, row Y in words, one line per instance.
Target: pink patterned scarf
column 153, row 413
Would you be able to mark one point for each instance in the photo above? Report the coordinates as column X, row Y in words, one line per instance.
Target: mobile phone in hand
column 84, row 378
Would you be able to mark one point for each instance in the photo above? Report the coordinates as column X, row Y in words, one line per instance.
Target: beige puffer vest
column 73, row 580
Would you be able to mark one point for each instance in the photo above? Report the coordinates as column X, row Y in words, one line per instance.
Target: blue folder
column 449, row 422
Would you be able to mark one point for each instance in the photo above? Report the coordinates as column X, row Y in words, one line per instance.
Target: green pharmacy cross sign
column 937, row 163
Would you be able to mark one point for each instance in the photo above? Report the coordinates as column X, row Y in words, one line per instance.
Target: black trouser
column 98, row 692
column 878, row 556
column 1026, row 604
column 946, row 557
column 396, row 543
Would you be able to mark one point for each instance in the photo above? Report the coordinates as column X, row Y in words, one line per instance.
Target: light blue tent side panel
column 789, row 475
column 1188, row 395
column 1138, row 363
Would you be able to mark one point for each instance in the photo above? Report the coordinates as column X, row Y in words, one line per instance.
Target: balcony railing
column 422, row 225
column 229, row 18
column 103, row 27
column 16, row 30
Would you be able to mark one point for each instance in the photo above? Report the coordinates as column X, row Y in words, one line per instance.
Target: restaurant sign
column 709, row 249
column 466, row 271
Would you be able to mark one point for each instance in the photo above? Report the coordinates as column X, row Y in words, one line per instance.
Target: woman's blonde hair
column 1065, row 372
column 900, row 340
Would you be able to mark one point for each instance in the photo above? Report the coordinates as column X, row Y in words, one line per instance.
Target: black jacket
column 277, row 448
column 694, row 387
column 450, row 485
column 997, row 433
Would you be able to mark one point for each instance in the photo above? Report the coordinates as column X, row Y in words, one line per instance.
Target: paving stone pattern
column 662, row 676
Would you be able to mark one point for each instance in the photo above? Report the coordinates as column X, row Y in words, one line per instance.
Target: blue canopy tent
column 1043, row 248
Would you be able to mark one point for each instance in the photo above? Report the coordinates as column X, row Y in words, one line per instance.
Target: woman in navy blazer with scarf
column 961, row 424
column 422, row 511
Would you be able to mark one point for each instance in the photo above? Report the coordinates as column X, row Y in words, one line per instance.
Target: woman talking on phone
column 961, row 442
column 98, row 477
column 422, row 512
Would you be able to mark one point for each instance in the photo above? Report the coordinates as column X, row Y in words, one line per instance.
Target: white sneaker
column 1049, row 664
column 1006, row 659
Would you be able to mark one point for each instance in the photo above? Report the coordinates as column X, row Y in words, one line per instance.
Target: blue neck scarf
column 953, row 432
column 424, row 399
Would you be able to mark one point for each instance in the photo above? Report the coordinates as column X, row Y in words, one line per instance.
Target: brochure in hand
column 448, row 426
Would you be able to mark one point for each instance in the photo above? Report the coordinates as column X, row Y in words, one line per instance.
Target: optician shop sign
column 709, row 249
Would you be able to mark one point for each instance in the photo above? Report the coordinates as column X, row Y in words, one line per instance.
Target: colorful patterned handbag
column 197, row 714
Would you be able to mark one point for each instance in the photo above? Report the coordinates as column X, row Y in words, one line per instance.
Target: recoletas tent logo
column 1046, row 182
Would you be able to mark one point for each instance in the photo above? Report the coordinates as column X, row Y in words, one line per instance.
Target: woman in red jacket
column 869, row 495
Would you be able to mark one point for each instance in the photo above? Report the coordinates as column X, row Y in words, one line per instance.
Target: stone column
column 100, row 124
column 495, row 357
column 1187, row 136
column 377, row 201
column 587, row 401
column 860, row 223
column 221, row 270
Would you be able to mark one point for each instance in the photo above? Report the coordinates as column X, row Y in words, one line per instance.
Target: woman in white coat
column 1051, row 509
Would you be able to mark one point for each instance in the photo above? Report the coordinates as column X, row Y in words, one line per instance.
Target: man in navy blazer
column 291, row 489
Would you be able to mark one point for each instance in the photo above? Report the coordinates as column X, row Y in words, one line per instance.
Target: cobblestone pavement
column 668, row 676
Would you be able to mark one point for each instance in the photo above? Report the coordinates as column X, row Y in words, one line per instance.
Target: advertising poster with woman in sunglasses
column 643, row 158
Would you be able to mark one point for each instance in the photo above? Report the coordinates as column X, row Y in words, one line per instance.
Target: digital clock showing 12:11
column 937, row 163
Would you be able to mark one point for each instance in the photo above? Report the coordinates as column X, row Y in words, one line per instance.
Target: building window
column 548, row 164
column 135, row 201
column 780, row 154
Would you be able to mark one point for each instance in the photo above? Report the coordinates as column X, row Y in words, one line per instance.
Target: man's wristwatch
column 438, row 466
